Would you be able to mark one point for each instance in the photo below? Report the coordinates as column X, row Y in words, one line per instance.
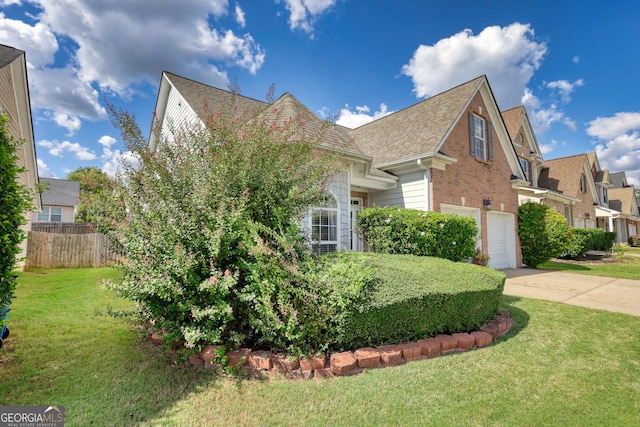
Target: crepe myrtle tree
column 208, row 222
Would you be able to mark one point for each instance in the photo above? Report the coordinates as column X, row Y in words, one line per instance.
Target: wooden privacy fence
column 47, row 250
column 64, row 227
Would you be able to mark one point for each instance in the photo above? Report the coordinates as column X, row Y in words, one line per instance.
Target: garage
column 501, row 240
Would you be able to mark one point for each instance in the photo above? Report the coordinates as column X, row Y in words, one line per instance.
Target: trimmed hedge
column 583, row 240
column 393, row 230
column 418, row 297
column 544, row 233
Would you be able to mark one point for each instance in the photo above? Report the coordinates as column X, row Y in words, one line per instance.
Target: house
column 530, row 157
column 622, row 198
column 59, row 200
column 185, row 102
column 450, row 153
column 572, row 176
column 16, row 104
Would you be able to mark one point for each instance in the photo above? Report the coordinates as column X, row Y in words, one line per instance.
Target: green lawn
column 626, row 268
column 559, row 365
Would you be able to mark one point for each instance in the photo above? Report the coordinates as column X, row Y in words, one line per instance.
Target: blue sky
column 573, row 64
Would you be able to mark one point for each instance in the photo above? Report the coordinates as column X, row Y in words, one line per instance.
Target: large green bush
column 393, row 230
column 583, row 240
column 208, row 224
column 417, row 297
column 15, row 201
column 544, row 233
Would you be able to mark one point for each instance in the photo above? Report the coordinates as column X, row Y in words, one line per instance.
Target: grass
column 627, row 267
column 559, row 365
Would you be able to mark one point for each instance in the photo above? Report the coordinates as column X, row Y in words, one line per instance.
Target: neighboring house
column 450, row 153
column 530, row 157
column 622, row 198
column 607, row 217
column 572, row 176
column 59, row 201
column 15, row 103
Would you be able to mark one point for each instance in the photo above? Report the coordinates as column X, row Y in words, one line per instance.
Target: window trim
column 486, row 139
column 525, row 165
column 49, row 212
column 320, row 245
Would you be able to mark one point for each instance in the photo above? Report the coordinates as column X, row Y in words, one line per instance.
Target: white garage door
column 501, row 239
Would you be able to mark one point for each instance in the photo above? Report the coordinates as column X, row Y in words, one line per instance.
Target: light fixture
column 487, row 204
column 587, row 215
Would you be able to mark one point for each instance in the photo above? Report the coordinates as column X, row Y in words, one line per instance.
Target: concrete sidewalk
column 604, row 293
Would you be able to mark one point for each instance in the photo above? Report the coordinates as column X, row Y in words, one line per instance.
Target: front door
column 356, row 243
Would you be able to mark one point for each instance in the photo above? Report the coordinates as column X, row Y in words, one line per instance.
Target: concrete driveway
column 604, row 293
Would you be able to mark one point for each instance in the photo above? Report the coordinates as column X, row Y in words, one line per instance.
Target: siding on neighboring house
column 410, row 193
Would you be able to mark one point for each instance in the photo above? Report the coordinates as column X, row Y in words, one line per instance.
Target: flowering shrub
column 408, row 231
column 208, row 224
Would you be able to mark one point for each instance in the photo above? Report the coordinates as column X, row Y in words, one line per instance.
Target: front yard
column 559, row 365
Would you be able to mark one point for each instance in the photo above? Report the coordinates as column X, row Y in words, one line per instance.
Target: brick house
column 622, row 198
column 450, row 153
column 530, row 157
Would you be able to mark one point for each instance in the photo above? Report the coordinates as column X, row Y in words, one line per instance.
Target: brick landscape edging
column 261, row 363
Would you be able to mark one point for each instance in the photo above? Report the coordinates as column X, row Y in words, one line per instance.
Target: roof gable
column 516, row 119
column 563, row 175
column 627, row 199
column 416, row 131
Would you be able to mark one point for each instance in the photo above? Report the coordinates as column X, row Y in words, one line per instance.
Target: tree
column 15, row 201
column 95, row 190
column 208, row 222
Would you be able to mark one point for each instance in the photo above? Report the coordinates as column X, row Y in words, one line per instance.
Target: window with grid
column 324, row 225
column 50, row 214
column 480, row 138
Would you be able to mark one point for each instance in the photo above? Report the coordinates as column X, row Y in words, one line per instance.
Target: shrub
column 634, row 240
column 208, row 225
column 544, row 233
column 15, row 200
column 393, row 230
column 417, row 297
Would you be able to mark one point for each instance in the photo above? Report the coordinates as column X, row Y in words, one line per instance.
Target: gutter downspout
column 427, row 184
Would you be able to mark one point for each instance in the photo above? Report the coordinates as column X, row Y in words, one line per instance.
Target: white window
column 50, row 214
column 479, row 137
column 480, row 141
column 526, row 168
column 324, row 225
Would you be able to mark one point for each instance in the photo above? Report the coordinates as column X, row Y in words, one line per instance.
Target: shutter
column 489, row 141
column 472, row 141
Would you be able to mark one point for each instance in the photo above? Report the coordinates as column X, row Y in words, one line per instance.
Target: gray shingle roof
column 618, row 179
column 205, row 99
column 563, row 175
column 8, row 54
column 60, row 192
column 415, row 131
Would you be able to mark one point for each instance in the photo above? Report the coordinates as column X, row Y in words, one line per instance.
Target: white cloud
column 548, row 148
column 304, row 13
column 509, row 56
column 618, row 145
column 240, row 18
column 117, row 46
column 113, row 161
column 107, row 141
column 361, row 116
column 576, row 59
column 565, row 88
column 72, row 124
column 57, row 149
column 43, row 170
column 611, row 127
